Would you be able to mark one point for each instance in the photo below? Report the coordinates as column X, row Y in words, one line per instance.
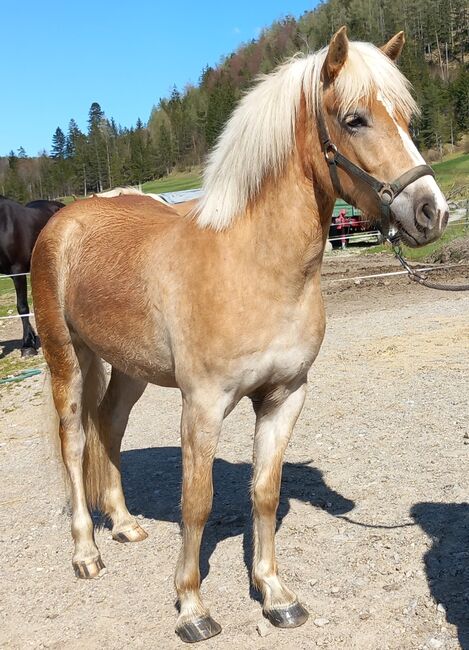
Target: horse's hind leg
column 200, row 430
column 121, row 395
column 69, row 367
column 276, row 417
column 30, row 342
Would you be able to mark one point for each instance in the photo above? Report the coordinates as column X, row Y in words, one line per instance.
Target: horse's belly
column 276, row 366
column 128, row 339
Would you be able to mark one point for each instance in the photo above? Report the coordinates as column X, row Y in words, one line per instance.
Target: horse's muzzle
column 420, row 219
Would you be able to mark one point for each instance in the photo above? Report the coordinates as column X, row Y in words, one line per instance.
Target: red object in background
column 342, row 223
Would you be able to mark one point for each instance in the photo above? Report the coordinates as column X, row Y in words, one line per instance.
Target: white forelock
column 260, row 134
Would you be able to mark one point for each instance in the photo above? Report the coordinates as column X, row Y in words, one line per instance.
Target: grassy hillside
column 450, row 173
column 453, row 172
column 174, row 183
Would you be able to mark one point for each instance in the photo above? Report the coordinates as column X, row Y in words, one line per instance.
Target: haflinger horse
column 226, row 302
column 20, row 226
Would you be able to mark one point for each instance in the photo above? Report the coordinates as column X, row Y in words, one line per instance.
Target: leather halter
column 385, row 192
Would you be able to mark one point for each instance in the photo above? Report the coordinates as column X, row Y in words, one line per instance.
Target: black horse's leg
column 30, row 338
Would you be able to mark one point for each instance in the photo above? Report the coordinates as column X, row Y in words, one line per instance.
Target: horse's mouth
column 404, row 236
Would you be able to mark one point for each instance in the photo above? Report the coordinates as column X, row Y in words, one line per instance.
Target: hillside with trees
column 184, row 126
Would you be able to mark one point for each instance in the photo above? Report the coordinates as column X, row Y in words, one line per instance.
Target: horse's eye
column 354, row 121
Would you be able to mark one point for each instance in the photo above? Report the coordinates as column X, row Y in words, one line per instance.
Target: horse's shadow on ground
column 152, row 484
column 447, row 562
column 7, row 347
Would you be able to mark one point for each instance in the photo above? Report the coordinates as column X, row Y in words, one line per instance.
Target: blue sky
column 60, row 56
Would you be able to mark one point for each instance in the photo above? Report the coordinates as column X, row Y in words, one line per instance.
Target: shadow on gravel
column 152, row 485
column 447, row 562
column 7, row 347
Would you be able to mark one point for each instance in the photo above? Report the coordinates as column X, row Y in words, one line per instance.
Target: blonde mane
column 260, row 135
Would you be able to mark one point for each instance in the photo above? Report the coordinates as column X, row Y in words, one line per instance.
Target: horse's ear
column 336, row 55
column 393, row 47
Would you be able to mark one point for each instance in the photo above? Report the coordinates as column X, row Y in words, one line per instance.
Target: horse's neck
column 287, row 225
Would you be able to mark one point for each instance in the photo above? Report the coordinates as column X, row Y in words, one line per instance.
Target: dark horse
column 20, row 226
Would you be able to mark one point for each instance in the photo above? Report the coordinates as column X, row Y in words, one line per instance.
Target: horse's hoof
column 292, row 616
column 88, row 570
column 28, row 352
column 133, row 534
column 199, row 629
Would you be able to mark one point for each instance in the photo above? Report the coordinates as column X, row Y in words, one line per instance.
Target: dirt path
column 373, row 523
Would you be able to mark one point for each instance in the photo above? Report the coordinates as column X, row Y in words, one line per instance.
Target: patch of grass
column 453, row 172
column 13, row 364
column 6, row 287
column 174, row 183
column 8, row 297
column 420, row 254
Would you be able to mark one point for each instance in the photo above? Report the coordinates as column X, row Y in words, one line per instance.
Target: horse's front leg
column 276, row 416
column 30, row 339
column 200, row 430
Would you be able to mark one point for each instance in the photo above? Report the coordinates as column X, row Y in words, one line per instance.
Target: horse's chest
column 288, row 355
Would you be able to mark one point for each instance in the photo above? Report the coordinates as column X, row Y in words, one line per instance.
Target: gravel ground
column 373, row 526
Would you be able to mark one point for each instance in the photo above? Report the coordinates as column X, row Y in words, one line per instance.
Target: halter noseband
column 385, row 192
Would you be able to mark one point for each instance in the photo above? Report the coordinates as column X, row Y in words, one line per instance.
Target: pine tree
column 220, row 105
column 95, row 116
column 165, row 151
column 58, row 149
column 73, row 135
column 14, row 186
column 97, row 158
column 459, row 92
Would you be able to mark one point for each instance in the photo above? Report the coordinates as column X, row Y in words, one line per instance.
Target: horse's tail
column 96, row 462
column 95, row 459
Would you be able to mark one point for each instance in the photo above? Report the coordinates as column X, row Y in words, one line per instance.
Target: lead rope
column 421, row 279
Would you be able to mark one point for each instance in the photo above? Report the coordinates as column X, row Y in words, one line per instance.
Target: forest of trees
column 183, row 127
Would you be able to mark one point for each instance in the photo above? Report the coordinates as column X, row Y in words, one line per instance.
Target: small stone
column 466, row 435
column 313, row 581
column 263, row 628
column 435, row 643
column 357, row 282
column 321, row 622
column 335, row 590
column 441, row 608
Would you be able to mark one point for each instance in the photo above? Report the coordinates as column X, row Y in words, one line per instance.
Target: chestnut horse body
column 222, row 303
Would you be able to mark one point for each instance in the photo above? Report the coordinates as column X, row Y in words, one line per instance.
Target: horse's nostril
column 427, row 211
column 425, row 215
column 445, row 219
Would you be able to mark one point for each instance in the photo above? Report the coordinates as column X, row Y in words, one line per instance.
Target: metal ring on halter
column 386, row 195
column 330, row 148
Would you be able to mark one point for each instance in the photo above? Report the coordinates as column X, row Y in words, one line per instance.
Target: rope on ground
column 383, row 275
column 25, row 374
